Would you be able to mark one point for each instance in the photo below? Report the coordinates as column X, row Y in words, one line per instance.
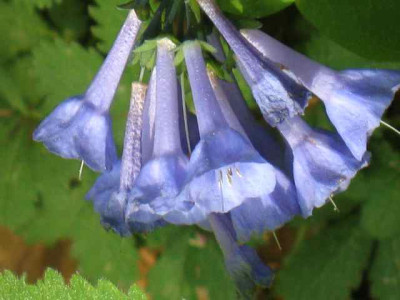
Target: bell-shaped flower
column 266, row 212
column 277, row 92
column 355, row 100
column 110, row 192
column 80, row 127
column 224, row 168
column 322, row 164
column 163, row 175
column 242, row 262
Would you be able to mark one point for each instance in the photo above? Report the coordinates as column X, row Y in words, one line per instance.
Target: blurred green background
column 51, row 49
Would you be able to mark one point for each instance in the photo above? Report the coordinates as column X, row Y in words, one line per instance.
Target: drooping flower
column 162, row 176
column 322, row 164
column 278, row 94
column 110, row 192
column 355, row 100
column 242, row 262
column 224, row 168
column 80, row 127
column 266, row 212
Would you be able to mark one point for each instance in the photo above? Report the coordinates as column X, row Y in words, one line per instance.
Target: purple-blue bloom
column 355, row 100
column 277, row 92
column 321, row 163
column 162, row 176
column 243, row 264
column 224, row 169
column 268, row 211
column 80, row 127
column 110, row 192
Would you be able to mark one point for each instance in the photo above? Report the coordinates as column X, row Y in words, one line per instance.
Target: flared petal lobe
column 80, row 127
column 322, row 164
column 255, row 216
column 356, row 103
column 355, row 100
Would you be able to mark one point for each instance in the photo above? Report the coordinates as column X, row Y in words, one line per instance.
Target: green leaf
column 190, row 264
column 70, row 17
column 385, row 271
column 27, row 29
column 109, row 20
column 328, row 266
column 367, row 28
column 380, row 213
column 326, row 51
column 253, row 8
column 53, row 287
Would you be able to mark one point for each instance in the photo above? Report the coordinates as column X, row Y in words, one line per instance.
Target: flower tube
column 277, row 92
column 80, row 127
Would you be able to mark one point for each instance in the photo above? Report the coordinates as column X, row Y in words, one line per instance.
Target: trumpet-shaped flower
column 355, row 100
column 277, row 92
column 322, row 164
column 162, row 176
column 80, row 127
column 224, row 169
column 110, row 192
column 268, row 211
column 243, row 264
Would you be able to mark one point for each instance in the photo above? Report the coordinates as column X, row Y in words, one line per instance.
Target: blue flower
column 80, row 127
column 243, row 264
column 224, row 168
column 355, row 100
column 162, row 176
column 277, row 92
column 111, row 190
column 321, row 163
column 268, row 211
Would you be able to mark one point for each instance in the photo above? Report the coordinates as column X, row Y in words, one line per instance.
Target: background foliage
column 51, row 49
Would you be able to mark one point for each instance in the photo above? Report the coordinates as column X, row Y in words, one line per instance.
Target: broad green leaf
column 368, row 28
column 27, row 29
column 253, row 8
column 329, row 53
column 380, row 214
column 109, row 20
column 385, row 271
column 328, row 266
column 190, row 264
column 54, row 287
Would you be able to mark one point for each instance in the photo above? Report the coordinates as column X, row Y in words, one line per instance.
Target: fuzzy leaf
column 53, row 287
column 326, row 267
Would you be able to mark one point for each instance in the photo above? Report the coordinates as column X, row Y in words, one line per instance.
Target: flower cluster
column 220, row 169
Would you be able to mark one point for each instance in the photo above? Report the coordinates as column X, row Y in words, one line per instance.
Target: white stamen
column 335, row 208
column 390, row 127
column 276, row 240
column 238, row 172
column 81, row 170
column 185, row 114
column 220, row 182
column 229, row 176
